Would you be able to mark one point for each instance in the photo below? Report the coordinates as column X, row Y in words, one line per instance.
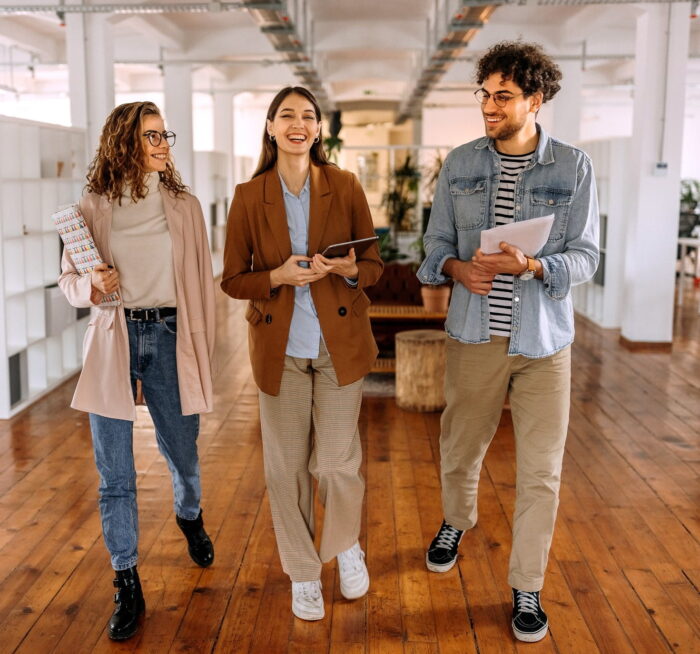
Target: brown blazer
column 257, row 241
column 104, row 386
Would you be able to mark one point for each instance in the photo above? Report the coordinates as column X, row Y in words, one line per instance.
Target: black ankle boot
column 124, row 622
column 199, row 545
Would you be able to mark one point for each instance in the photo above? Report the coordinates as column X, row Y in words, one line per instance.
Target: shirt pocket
column 469, row 201
column 545, row 200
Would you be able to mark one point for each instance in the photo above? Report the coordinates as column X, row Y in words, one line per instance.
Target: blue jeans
column 152, row 353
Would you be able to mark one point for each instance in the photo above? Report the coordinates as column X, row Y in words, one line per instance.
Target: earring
column 317, row 139
column 272, row 137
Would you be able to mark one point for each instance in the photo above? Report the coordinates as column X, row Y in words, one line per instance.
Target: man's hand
column 293, row 274
column 344, row 266
column 510, row 260
column 469, row 276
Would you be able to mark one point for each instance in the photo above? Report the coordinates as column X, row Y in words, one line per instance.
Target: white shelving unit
column 600, row 299
column 41, row 168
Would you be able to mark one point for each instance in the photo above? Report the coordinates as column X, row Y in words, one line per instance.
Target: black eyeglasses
column 156, row 138
column 500, row 99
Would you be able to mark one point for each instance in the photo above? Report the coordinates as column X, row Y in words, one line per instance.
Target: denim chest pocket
column 545, row 200
column 469, row 201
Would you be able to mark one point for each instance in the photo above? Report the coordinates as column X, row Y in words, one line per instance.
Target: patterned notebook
column 78, row 242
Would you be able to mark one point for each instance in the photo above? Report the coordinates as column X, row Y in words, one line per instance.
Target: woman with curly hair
column 150, row 233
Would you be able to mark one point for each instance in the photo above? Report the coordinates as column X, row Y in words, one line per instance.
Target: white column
column 661, row 57
column 90, row 55
column 223, row 133
column 178, row 112
column 566, row 105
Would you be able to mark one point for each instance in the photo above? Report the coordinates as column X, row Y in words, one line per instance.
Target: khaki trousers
column 477, row 378
column 294, row 454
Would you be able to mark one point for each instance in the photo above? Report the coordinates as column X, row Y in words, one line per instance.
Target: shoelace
column 527, row 602
column 351, row 560
column 310, row 589
column 447, row 537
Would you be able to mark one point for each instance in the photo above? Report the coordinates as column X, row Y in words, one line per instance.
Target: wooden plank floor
column 624, row 573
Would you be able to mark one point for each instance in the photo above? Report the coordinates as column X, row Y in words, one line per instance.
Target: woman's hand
column 344, row 266
column 104, row 278
column 294, row 274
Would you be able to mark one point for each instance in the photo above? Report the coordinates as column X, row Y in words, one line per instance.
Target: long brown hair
column 118, row 162
column 268, row 155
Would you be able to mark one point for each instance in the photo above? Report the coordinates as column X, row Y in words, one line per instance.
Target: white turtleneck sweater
column 142, row 249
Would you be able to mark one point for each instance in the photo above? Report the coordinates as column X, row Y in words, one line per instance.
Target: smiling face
column 155, row 157
column 294, row 126
column 516, row 117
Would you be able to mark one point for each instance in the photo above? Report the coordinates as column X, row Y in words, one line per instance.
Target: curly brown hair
column 526, row 64
column 118, row 162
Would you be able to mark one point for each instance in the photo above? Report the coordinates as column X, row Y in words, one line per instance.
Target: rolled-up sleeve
column 579, row 259
column 440, row 239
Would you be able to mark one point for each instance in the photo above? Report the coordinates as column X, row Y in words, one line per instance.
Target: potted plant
column 436, row 298
column 690, row 195
column 690, row 198
column 387, row 250
column 402, row 195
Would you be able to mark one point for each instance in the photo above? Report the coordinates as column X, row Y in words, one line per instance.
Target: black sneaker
column 442, row 553
column 529, row 620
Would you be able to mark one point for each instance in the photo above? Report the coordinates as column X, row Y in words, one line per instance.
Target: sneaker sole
column 439, row 567
column 309, row 617
column 353, row 595
column 530, row 637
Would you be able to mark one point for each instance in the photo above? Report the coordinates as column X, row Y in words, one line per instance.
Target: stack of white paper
column 529, row 236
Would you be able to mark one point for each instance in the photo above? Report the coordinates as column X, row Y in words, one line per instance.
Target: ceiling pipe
column 458, row 30
column 156, row 8
column 283, row 32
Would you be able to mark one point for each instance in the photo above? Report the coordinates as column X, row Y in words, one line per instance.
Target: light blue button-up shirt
column 305, row 329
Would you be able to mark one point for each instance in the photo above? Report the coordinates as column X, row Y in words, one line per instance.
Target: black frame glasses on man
column 500, row 99
column 156, row 138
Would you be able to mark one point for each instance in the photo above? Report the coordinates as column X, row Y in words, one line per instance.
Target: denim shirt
column 305, row 329
column 559, row 179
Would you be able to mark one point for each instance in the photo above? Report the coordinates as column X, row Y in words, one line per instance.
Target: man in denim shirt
column 510, row 322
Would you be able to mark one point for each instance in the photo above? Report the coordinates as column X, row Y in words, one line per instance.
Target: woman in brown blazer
column 310, row 340
column 150, row 233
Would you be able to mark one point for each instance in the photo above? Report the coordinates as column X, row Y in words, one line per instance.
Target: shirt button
column 516, row 299
column 550, row 202
column 517, row 206
column 342, row 311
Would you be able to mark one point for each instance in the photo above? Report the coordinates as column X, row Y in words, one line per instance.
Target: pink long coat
column 104, row 386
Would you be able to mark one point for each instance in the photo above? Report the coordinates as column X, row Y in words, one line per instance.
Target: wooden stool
column 420, row 370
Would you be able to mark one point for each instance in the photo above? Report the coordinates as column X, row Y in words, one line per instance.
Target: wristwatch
column 529, row 272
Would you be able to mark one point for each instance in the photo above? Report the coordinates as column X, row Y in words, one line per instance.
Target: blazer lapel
column 321, row 197
column 102, row 228
column 276, row 214
column 175, row 218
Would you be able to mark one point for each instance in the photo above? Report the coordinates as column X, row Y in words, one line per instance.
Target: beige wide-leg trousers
column 477, row 378
column 310, row 430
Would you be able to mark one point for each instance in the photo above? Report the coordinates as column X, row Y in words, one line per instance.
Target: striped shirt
column 501, row 296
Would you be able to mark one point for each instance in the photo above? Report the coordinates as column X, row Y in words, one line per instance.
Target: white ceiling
column 364, row 50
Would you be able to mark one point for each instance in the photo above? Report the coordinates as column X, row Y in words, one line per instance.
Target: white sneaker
column 354, row 578
column 307, row 600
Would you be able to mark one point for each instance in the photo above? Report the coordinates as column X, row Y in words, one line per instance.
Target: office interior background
column 395, row 80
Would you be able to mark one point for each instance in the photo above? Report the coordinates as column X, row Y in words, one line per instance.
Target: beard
column 507, row 130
